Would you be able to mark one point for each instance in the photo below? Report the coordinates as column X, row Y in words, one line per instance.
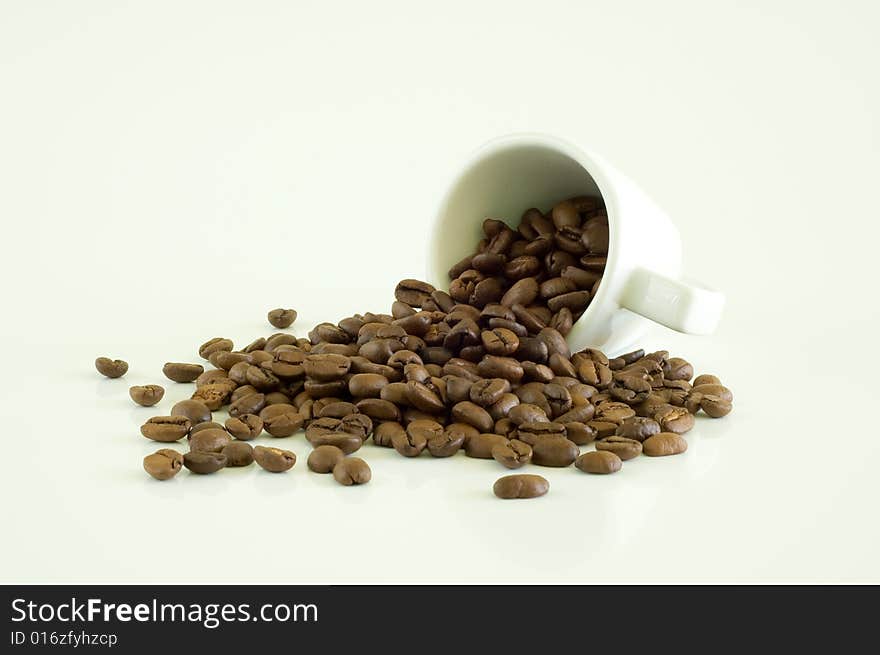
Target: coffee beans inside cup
column 482, row 367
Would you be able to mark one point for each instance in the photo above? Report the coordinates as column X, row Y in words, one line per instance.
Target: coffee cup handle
column 678, row 305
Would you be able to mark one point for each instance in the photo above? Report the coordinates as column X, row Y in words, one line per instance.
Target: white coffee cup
column 642, row 280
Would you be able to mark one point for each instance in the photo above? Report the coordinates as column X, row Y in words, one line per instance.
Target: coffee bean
column 413, row 292
column 520, row 486
column 378, row 409
column 366, row 385
column 111, row 368
column 414, row 439
column 384, row 433
column 449, row 441
column 352, row 471
column 147, row 395
column 580, row 433
column 325, row 368
column 665, row 443
column 554, row 451
column 675, row 419
column 500, row 341
column 164, row 464
column 178, row 372
column 204, row 463
column 211, row 440
column 481, row 445
column 205, row 425
column 194, row 410
column 523, row 292
column 715, row 406
column 335, row 432
column 281, row 318
column 507, row 368
column 706, row 379
column 513, row 454
column 166, row 428
column 324, row 458
column 238, row 453
column 599, row 461
column 489, row 391
column 472, row 414
column 678, row 369
column 638, row 428
column 249, row 404
column 274, row 460
column 283, row 424
column 623, row 447
column 217, row 344
column 245, row 426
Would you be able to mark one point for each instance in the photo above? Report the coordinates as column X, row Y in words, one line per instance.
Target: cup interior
column 504, row 179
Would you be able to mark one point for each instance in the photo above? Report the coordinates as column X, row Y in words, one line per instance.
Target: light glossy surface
column 170, row 192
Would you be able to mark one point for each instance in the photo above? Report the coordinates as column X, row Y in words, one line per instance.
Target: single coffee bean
column 448, row 442
column 111, row 368
column 513, row 454
column 211, row 440
column 213, row 396
column 472, row 414
column 507, row 368
column 217, row 344
column 326, row 368
column 366, row 385
column 714, row 390
column 205, row 425
column 414, row 439
column 481, row 445
column 352, row 471
column 324, row 458
column 527, row 413
column 214, row 376
column 715, row 406
column 531, row 433
column 665, row 443
column 262, row 379
column 599, row 461
column 245, row 426
column 706, row 379
column 284, row 424
column 166, row 428
column 204, row 463
column 334, row 408
column 638, row 428
column 580, row 433
column 520, row 486
column 336, row 432
column 385, row 431
column 413, row 292
column 238, row 453
column 179, row 372
column 378, row 409
column 194, row 410
column 623, row 447
column 675, row 419
column 489, row 391
column 500, row 341
column 281, row 318
column 614, row 412
column 147, row 395
column 274, row 460
column 554, row 451
column 678, row 369
column 252, row 403
column 164, row 464
column 523, row 292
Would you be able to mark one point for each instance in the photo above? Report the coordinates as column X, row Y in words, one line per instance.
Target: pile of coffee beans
column 483, row 368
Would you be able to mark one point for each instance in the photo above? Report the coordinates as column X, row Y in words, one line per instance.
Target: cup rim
column 591, row 166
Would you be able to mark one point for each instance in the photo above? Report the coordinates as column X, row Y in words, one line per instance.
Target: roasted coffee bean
column 472, row 414
column 561, row 366
column 678, row 369
column 604, row 429
column 554, row 451
column 581, row 278
column 556, row 286
column 414, row 439
column 244, row 427
column 352, row 471
column 179, row 372
column 217, row 344
column 489, row 263
column 283, row 425
column 489, row 391
column 614, row 412
column 385, row 431
column 366, row 385
column 526, row 413
column 507, row 368
column 147, row 395
column 194, row 410
column 500, row 408
column 166, row 428
column 481, row 445
column 326, row 368
column 262, row 379
column 274, row 460
column 249, row 404
column 205, row 425
column 204, row 463
column 378, row 409
column 599, row 461
column 665, row 443
column 424, row 397
column 333, row 432
column 523, row 292
column 706, row 379
column 211, row 440
column 520, row 486
column 214, row 376
column 532, row 433
column 333, row 408
column 449, row 441
column 500, row 341
column 111, row 368
column 714, row 390
column 513, row 454
column 526, row 318
column 413, row 292
column 332, row 388
column 638, row 428
column 522, row 267
column 238, row 453
column 577, row 414
column 324, row 458
column 164, row 464
column 281, row 318
column 623, row 447
column 562, row 321
column 213, row 396
column 675, row 419
column 580, row 433
column 715, row 406
column 575, row 301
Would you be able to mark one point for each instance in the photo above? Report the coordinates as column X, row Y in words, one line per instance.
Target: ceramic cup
column 642, row 280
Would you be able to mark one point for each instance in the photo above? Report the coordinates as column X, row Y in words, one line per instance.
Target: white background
column 169, row 171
